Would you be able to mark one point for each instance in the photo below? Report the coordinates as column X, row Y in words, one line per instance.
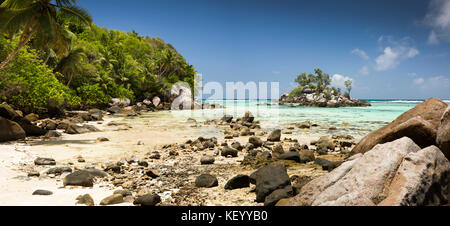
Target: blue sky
column 390, row 49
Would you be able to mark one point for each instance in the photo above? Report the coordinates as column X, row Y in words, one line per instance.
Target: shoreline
column 17, row 159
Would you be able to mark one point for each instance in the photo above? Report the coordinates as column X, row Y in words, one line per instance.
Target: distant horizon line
column 367, row 99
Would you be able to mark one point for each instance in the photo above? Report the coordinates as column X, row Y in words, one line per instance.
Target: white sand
column 152, row 129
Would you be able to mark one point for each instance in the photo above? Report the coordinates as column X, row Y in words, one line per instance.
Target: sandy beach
column 129, row 138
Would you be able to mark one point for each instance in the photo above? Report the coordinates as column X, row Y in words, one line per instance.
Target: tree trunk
column 21, row 44
column 70, row 80
column 48, row 56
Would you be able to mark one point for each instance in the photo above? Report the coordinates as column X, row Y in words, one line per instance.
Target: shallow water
column 357, row 121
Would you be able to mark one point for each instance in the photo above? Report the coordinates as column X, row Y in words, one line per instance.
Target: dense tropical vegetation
column 52, row 54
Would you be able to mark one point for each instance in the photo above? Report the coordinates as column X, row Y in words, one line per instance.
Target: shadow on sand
column 61, row 142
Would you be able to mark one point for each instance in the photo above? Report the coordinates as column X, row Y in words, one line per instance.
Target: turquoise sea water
column 350, row 120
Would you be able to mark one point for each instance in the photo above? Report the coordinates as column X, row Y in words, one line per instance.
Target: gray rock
column 112, row 199
column 147, row 200
column 53, row 133
column 239, row 181
column 229, row 151
column 256, row 141
column 206, row 159
column 59, row 170
column 422, row 179
column 156, row 100
column 291, row 155
column 49, row 124
column 96, row 172
column 79, row 178
column 44, row 161
column 75, row 129
column 96, row 114
column 275, row 135
column 393, row 173
column 85, row 199
column 278, row 194
column 278, row 149
column 443, row 133
column 124, row 193
column 206, row 180
column 42, row 192
column 306, row 156
column 227, row 118
column 237, row 146
column 248, row 117
column 270, row 178
column 326, row 164
column 10, row 130
column 114, row 110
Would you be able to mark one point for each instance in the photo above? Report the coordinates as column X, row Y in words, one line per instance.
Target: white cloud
column 338, row 81
column 432, row 38
column 433, row 83
column 412, row 53
column 387, row 60
column 438, row 18
column 394, row 51
column 418, row 81
column 364, row 70
column 360, row 53
column 275, row 72
column 412, row 74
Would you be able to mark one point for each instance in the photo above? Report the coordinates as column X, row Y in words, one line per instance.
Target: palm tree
column 38, row 16
column 71, row 64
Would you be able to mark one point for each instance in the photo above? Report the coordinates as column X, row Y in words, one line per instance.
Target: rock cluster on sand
column 13, row 126
column 394, row 173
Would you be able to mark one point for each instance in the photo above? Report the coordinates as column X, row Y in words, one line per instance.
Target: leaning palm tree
column 70, row 64
column 38, row 16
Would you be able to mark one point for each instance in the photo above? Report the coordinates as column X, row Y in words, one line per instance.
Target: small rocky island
column 314, row 91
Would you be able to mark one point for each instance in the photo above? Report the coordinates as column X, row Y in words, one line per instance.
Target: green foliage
column 348, row 85
column 29, row 85
column 99, row 64
column 346, row 94
column 297, row 91
column 93, row 95
column 322, row 80
column 327, row 95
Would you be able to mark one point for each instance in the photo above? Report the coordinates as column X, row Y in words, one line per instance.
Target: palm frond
column 17, row 4
column 13, row 20
column 76, row 14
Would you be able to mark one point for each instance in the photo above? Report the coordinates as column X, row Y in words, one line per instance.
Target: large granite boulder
column 419, row 123
column 10, row 130
column 443, row 134
column 8, row 112
column 30, row 129
column 394, row 173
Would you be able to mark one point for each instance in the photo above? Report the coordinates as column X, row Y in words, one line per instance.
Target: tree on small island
column 322, row 80
column 348, row 85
